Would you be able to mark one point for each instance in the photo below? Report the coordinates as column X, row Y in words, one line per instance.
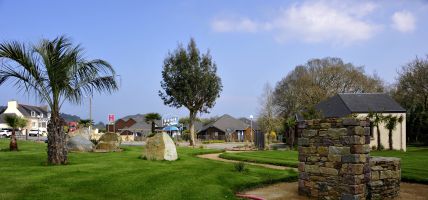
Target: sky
column 253, row 42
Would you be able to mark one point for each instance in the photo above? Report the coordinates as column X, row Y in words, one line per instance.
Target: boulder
column 160, row 147
column 79, row 143
column 108, row 142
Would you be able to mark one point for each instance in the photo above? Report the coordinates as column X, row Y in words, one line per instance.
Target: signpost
column 111, row 121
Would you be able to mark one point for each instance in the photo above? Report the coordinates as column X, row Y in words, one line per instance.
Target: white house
column 362, row 104
column 37, row 116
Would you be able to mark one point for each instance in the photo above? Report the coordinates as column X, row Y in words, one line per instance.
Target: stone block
column 386, row 174
column 356, row 169
column 360, row 149
column 357, row 189
column 307, row 150
column 358, row 130
column 334, row 158
column 349, row 197
column 325, row 125
column 335, row 133
column 322, row 133
column 322, row 151
column 312, row 169
column 350, row 122
column 303, row 142
column 309, row 133
column 329, row 171
column 374, row 175
column 354, row 158
column 313, row 158
column 351, row 140
column 339, row 150
column 301, row 166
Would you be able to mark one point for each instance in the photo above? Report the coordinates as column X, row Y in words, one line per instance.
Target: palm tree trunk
column 57, row 150
column 153, row 127
column 390, row 139
column 378, row 138
column 13, row 146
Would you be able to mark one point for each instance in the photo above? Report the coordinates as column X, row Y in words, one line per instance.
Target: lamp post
column 251, row 127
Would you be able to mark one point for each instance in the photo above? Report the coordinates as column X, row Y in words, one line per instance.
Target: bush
column 185, row 135
column 274, row 147
column 240, row 167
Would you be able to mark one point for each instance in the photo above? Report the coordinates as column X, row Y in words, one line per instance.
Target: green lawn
column 123, row 175
column 282, row 158
column 414, row 162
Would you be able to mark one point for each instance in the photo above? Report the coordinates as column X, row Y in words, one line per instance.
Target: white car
column 5, row 133
column 35, row 133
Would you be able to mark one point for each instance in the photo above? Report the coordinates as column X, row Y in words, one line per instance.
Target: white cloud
column 338, row 22
column 403, row 21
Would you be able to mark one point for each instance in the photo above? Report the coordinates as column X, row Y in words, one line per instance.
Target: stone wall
column 333, row 156
column 334, row 162
column 385, row 178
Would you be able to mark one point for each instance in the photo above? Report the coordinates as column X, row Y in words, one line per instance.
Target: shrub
column 201, row 146
column 95, row 142
column 240, row 167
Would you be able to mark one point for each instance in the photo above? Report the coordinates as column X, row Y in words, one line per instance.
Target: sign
column 170, row 121
column 111, row 118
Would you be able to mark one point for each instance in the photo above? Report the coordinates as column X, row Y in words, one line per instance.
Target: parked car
column 35, row 133
column 5, row 133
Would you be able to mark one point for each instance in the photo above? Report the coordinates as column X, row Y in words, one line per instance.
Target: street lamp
column 251, row 127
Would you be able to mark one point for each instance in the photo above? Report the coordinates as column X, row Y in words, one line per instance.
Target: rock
column 160, row 147
column 109, row 142
column 79, row 143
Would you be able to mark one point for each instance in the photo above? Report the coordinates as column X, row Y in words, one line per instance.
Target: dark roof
column 248, row 122
column 139, row 126
column 345, row 104
column 140, row 118
column 26, row 110
column 226, row 123
column 2, row 109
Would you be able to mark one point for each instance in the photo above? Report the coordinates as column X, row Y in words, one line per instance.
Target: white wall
column 398, row 134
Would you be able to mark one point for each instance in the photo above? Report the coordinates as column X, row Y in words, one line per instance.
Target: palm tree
column 390, row 123
column 376, row 118
column 86, row 122
column 15, row 122
column 55, row 71
column 151, row 118
column 289, row 125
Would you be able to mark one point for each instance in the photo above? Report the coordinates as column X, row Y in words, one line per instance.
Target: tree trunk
column 13, row 146
column 390, row 139
column 192, row 128
column 153, row 127
column 378, row 137
column 57, row 150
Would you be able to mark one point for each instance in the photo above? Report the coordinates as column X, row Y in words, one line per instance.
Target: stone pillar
column 385, row 178
column 334, row 159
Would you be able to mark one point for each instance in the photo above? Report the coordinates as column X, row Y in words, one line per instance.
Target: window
column 44, row 124
column 33, row 114
column 41, row 115
column 33, row 124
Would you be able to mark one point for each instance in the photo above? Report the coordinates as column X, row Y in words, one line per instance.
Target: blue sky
column 253, row 42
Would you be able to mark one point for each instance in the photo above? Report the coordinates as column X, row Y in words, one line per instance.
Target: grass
column 123, row 175
column 413, row 162
column 281, row 158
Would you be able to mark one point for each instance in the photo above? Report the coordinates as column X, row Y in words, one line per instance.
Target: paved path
column 288, row 191
column 215, row 156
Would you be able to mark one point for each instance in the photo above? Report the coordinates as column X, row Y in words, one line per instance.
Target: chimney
column 12, row 104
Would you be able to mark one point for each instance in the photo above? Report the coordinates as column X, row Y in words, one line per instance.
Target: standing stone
column 79, row 143
column 109, row 142
column 160, row 147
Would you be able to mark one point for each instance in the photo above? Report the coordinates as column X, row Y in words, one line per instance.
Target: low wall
column 334, row 162
column 385, row 178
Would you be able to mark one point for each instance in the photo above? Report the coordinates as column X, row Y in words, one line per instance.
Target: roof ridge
column 344, row 103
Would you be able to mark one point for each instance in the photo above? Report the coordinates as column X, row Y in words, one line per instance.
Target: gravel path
column 288, row 191
column 215, row 156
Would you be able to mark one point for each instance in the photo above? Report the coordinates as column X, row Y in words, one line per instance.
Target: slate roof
column 26, row 110
column 2, row 109
column 344, row 104
column 226, row 123
column 139, row 126
column 247, row 121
